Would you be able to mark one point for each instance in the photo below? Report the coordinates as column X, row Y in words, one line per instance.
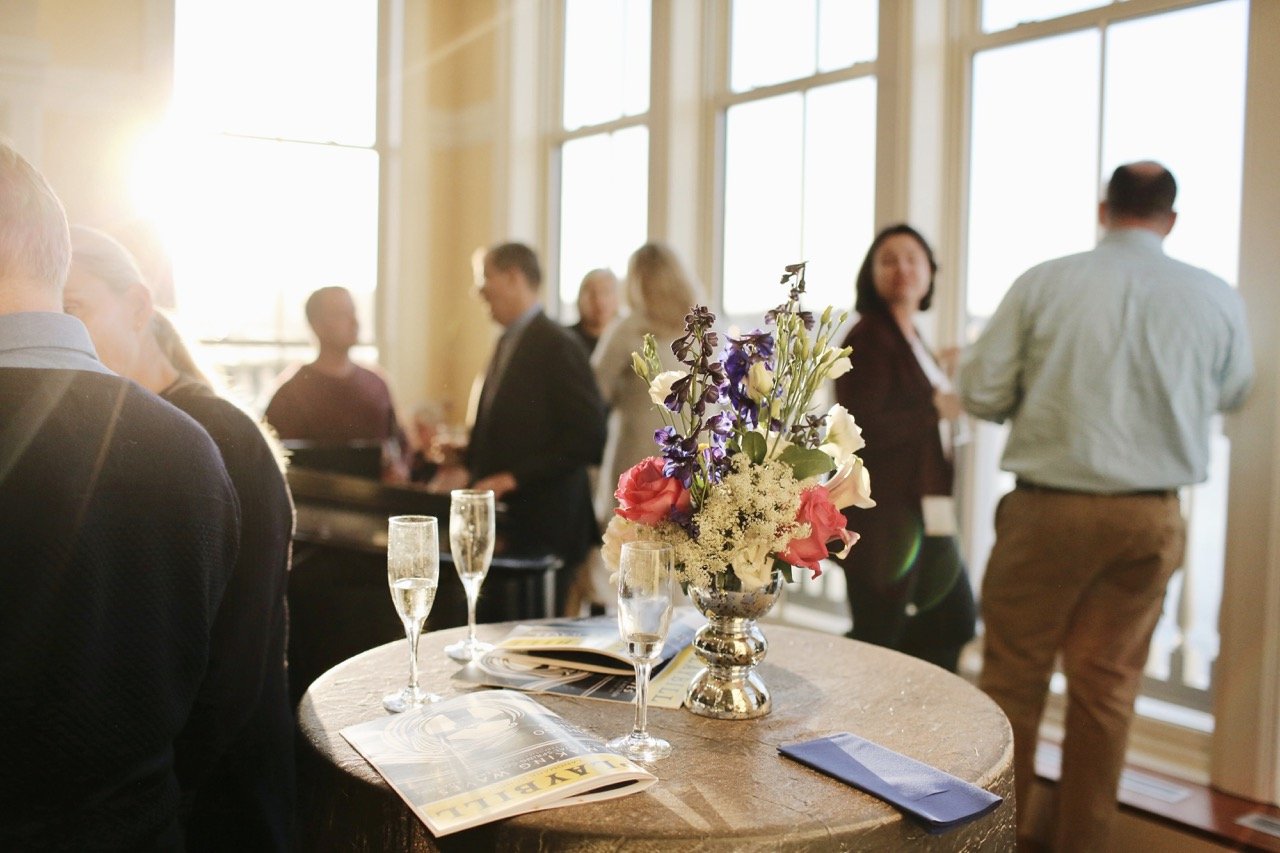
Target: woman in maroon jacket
column 908, row 588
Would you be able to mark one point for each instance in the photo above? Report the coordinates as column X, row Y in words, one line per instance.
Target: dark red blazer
column 891, row 398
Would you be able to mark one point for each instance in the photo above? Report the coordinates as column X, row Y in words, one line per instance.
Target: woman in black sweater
column 235, row 756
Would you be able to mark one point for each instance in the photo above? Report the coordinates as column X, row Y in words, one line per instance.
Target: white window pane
column 771, row 41
column 764, row 178
column 839, row 188
column 606, row 60
column 1003, row 14
column 295, row 69
column 1175, row 93
column 1033, row 173
column 847, row 32
column 604, row 204
column 258, row 225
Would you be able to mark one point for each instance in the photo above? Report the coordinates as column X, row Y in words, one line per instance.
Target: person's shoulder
column 289, row 381
column 1197, row 277
column 371, row 374
column 141, row 424
column 544, row 332
column 219, row 416
column 164, row 416
column 1211, row 294
column 1055, row 269
column 240, row 439
column 871, row 327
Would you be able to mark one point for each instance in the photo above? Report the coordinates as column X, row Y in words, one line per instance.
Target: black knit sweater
column 118, row 532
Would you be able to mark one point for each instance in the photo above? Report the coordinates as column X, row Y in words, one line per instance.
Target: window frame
column 1219, row 756
column 557, row 136
column 721, row 98
column 253, row 384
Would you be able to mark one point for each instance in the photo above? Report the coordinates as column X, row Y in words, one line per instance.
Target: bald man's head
column 35, row 244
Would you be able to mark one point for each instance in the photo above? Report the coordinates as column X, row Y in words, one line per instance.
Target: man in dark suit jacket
column 540, row 422
column 118, row 531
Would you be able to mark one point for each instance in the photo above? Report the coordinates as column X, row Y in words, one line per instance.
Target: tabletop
column 724, row 787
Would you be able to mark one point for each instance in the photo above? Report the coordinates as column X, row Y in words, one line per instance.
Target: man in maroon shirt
column 333, row 400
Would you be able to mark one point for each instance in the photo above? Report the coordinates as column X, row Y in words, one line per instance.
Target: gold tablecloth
column 724, row 787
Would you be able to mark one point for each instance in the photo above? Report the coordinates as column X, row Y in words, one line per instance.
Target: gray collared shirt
column 44, row 339
column 1110, row 364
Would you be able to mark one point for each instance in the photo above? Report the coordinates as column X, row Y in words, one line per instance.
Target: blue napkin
column 939, row 800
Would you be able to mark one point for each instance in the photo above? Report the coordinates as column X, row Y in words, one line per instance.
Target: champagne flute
column 471, row 542
column 413, row 571
column 646, row 583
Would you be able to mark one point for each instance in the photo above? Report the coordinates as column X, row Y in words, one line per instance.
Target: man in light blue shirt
column 1110, row 365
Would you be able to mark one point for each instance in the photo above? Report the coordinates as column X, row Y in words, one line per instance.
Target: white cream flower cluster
column 747, row 517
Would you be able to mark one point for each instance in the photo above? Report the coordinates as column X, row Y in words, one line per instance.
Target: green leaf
column 806, row 462
column 785, row 568
column 754, row 445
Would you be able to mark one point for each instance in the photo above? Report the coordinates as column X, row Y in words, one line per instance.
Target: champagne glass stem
column 473, row 592
column 642, row 697
column 413, row 632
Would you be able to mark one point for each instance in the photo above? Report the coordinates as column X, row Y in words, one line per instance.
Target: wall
column 457, row 133
column 81, row 82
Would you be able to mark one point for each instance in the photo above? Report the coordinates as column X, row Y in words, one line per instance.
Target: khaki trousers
column 1083, row 575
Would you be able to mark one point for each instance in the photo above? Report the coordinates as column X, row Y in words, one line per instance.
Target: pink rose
column 825, row 524
column 646, row 496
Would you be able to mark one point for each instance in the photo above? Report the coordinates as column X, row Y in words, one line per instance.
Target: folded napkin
column 939, row 800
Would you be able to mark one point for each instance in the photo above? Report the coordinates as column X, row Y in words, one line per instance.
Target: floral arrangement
column 738, row 488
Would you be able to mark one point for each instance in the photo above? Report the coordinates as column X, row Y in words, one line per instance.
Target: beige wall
column 80, row 82
column 461, row 74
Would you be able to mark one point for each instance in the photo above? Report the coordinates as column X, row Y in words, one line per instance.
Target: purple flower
column 680, row 453
column 741, row 353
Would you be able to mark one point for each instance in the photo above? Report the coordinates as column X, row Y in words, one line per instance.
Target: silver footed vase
column 731, row 645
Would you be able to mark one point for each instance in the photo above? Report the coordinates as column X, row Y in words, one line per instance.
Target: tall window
column 1052, row 116
column 603, row 143
column 799, row 137
column 265, row 184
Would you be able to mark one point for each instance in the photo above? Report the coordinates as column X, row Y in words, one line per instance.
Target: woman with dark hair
column 234, row 758
column 908, row 588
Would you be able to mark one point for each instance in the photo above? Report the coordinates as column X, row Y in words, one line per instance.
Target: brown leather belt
column 1028, row 486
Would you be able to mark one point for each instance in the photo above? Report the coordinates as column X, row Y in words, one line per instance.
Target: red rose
column 646, row 496
column 825, row 523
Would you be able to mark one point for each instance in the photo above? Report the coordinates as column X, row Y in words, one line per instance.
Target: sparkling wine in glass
column 413, row 571
column 646, row 584
column 471, row 543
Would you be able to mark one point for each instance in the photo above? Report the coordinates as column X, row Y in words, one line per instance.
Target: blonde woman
column 660, row 293
column 234, row 758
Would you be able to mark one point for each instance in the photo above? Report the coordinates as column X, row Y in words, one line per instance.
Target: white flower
column 759, row 381
column 660, row 387
column 748, row 515
column 844, row 436
column 619, row 531
column 839, row 367
column 753, row 565
column 850, row 486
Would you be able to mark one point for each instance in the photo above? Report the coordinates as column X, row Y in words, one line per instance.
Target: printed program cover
column 492, row 754
column 667, row 688
column 590, row 645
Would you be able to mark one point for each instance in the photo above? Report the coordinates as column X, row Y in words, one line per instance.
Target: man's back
column 120, row 530
column 1111, row 363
